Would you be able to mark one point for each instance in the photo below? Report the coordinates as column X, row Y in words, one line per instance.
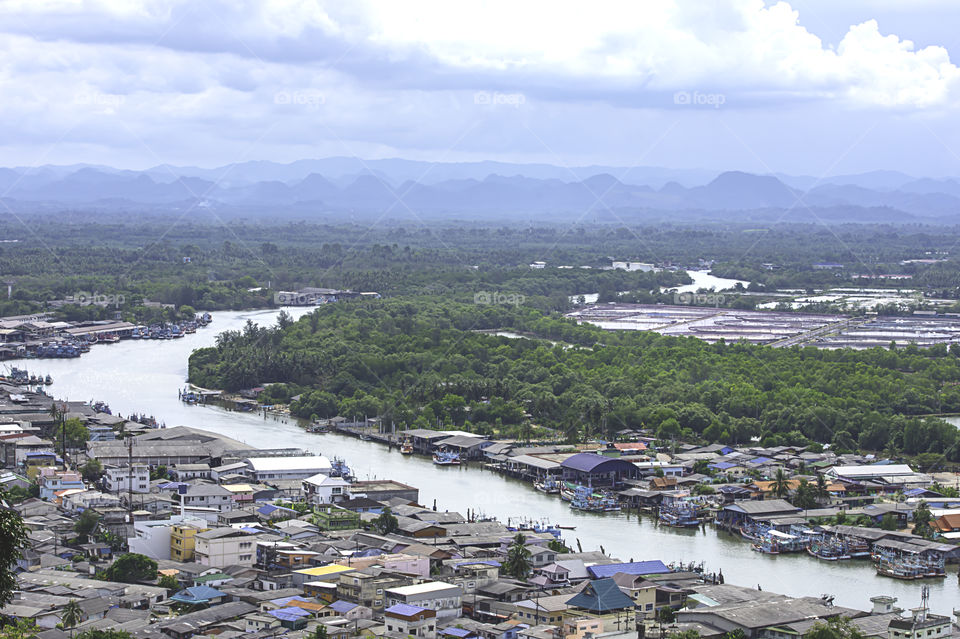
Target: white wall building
column 633, row 266
column 300, row 467
column 152, row 537
column 222, row 547
column 323, row 489
column 135, row 478
column 445, row 598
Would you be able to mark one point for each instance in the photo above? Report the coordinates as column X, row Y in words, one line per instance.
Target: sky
column 811, row 87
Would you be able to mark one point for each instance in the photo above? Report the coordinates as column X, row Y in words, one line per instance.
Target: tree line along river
column 144, row 376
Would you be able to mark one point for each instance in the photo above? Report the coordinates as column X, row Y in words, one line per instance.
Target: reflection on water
column 144, row 376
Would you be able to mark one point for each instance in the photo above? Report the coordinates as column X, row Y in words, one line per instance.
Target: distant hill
column 486, row 190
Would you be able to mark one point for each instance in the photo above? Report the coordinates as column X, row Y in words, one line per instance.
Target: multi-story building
column 368, row 589
column 323, row 489
column 413, row 621
column 207, row 495
column 446, row 599
column 183, row 539
column 125, row 479
column 221, row 547
column 52, row 481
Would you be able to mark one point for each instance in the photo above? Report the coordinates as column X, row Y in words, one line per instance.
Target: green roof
column 214, row 577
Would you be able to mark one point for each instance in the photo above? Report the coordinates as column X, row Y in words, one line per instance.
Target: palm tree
column 72, row 614
column 518, row 557
column 781, row 484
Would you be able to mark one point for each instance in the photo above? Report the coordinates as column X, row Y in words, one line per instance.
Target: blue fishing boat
column 679, row 514
column 446, row 458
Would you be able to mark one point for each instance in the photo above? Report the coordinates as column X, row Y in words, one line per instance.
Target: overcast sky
column 805, row 87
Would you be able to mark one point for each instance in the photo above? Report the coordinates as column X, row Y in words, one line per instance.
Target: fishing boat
column 109, row 338
column 828, row 549
column 446, row 458
column 767, row 546
column 136, row 334
column 585, row 499
column 549, row 486
column 406, row 448
column 339, row 468
column 318, row 428
column 568, row 490
column 48, row 380
column 679, row 514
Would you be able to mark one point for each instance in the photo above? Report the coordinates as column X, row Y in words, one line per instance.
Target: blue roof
column 488, row 562
column 291, row 613
column 601, row 595
column 198, row 594
column 591, row 462
column 723, row 465
column 453, row 631
column 267, row 509
column 760, row 460
column 283, row 601
column 653, row 567
column 405, row 609
column 343, row 606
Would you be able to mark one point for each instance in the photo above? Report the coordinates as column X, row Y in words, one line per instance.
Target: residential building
column 52, row 481
column 291, row 467
column 221, row 547
column 121, row 480
column 446, row 599
column 367, row 589
column 207, row 495
column 183, row 539
column 323, row 489
column 414, row 621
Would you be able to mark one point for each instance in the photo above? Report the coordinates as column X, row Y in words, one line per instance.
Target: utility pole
column 130, row 475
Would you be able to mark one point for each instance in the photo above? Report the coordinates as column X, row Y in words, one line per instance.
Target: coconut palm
column 781, row 484
column 518, row 557
column 72, row 614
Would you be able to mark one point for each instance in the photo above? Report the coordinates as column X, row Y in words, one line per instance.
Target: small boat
column 406, row 448
column 48, row 380
column 136, row 334
column 446, row 458
column 679, row 514
column 548, row 486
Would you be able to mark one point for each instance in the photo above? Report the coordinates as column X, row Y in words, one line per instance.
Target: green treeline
column 421, row 361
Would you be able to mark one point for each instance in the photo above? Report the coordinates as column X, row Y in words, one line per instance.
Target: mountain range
column 479, row 189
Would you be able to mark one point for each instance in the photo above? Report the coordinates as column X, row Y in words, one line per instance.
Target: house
column 223, row 547
column 135, row 479
column 367, row 588
column 323, row 489
column 385, row 490
column 183, row 539
column 408, row 620
column 292, row 467
column 199, row 595
column 600, row 607
column 331, row 517
column 734, row 515
column 444, row 598
column 52, row 481
column 206, row 495
column 186, row 472
column 638, row 568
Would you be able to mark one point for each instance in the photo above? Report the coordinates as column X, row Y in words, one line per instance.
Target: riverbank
column 144, row 377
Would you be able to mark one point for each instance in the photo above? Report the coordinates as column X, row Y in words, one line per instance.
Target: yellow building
column 182, row 542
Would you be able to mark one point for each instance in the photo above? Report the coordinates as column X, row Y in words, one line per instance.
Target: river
column 144, row 376
column 701, row 279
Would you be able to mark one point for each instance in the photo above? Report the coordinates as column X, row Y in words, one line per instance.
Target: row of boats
column 171, row 330
column 826, row 547
column 22, row 377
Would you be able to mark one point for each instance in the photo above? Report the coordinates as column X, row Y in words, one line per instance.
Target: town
column 180, row 532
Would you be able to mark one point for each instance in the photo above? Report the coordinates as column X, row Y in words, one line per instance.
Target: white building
column 134, row 478
column 300, row 467
column 152, row 536
column 446, row 599
column 323, row 489
column 207, row 495
column 633, row 266
column 222, row 547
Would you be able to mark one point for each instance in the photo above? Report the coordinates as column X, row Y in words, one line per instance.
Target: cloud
column 210, row 81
